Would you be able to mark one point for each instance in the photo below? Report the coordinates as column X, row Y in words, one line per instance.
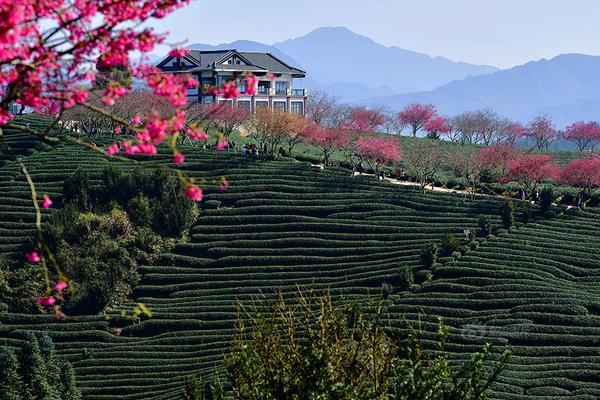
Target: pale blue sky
column 497, row 32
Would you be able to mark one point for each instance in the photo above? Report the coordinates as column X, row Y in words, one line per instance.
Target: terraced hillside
column 536, row 290
column 286, row 224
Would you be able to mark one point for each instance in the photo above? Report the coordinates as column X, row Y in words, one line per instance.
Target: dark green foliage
column 429, row 254
column 421, row 375
column 405, row 277
column 140, row 210
column 11, row 385
column 449, row 244
column 162, row 204
column 546, row 199
column 319, row 350
column 76, row 190
column 20, row 284
column 507, row 212
column 100, row 254
column 68, row 381
column 37, row 374
column 34, row 372
column 197, row 389
column 485, row 226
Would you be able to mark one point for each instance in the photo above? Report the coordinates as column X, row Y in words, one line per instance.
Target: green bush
column 76, row 190
column 449, row 244
column 100, row 254
column 429, row 254
column 405, row 277
column 38, row 373
column 507, row 212
column 546, row 199
column 140, row 210
column 485, row 226
column 323, row 351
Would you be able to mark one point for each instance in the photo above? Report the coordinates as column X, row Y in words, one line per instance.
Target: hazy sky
column 497, row 32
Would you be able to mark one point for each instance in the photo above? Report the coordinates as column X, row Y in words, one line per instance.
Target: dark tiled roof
column 259, row 61
column 206, row 58
column 270, row 62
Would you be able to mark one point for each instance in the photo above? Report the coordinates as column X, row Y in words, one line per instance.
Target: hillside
column 384, row 71
column 287, row 224
column 565, row 87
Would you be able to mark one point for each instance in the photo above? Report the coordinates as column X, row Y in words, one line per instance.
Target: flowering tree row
column 486, row 127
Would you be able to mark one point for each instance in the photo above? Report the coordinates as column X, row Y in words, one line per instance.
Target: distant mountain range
column 360, row 70
column 355, row 67
column 567, row 88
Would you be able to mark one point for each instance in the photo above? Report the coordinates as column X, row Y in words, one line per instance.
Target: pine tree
column 33, row 372
column 50, row 360
column 10, row 380
column 69, row 389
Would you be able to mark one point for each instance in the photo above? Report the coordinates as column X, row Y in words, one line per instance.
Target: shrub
column 319, row 350
column 546, row 199
column 485, row 226
column 100, row 254
column 507, row 213
column 38, row 373
column 76, row 190
column 449, row 244
column 140, row 210
column 405, row 277
column 429, row 254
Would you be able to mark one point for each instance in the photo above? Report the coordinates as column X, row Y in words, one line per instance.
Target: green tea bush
column 76, row 190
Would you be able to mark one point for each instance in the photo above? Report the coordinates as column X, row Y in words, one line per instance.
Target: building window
column 280, row 106
column 280, row 87
column 262, row 104
column 245, row 104
column 207, row 100
column 226, row 102
column 297, row 107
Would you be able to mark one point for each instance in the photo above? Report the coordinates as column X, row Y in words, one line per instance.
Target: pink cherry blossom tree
column 50, row 54
column 362, row 119
column 437, row 127
column 584, row 174
column 225, row 118
column 417, row 115
column 379, row 150
column 494, row 160
column 328, row 140
column 530, row 169
column 542, row 131
column 583, row 134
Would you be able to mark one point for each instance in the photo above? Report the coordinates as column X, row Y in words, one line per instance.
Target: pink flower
column 193, row 193
column 46, row 301
column 178, row 53
column 221, row 145
column 118, row 129
column 60, row 286
column 229, row 90
column 47, row 203
column 113, row 149
column 136, row 120
column 196, row 134
column 178, row 158
column 251, row 85
column 224, row 185
column 33, row 257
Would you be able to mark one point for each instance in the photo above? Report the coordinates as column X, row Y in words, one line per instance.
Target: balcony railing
column 298, row 92
column 266, row 91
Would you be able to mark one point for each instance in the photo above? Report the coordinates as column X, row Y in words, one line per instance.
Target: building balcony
column 262, row 91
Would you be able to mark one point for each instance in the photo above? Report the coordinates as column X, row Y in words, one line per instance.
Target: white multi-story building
column 275, row 87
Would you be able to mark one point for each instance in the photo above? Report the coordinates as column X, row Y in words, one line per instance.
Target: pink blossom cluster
column 379, row 150
column 49, row 48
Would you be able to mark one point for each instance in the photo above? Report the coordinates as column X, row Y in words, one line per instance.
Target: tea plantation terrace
column 285, row 224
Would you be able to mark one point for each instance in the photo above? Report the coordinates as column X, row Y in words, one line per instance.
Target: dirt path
column 413, row 184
